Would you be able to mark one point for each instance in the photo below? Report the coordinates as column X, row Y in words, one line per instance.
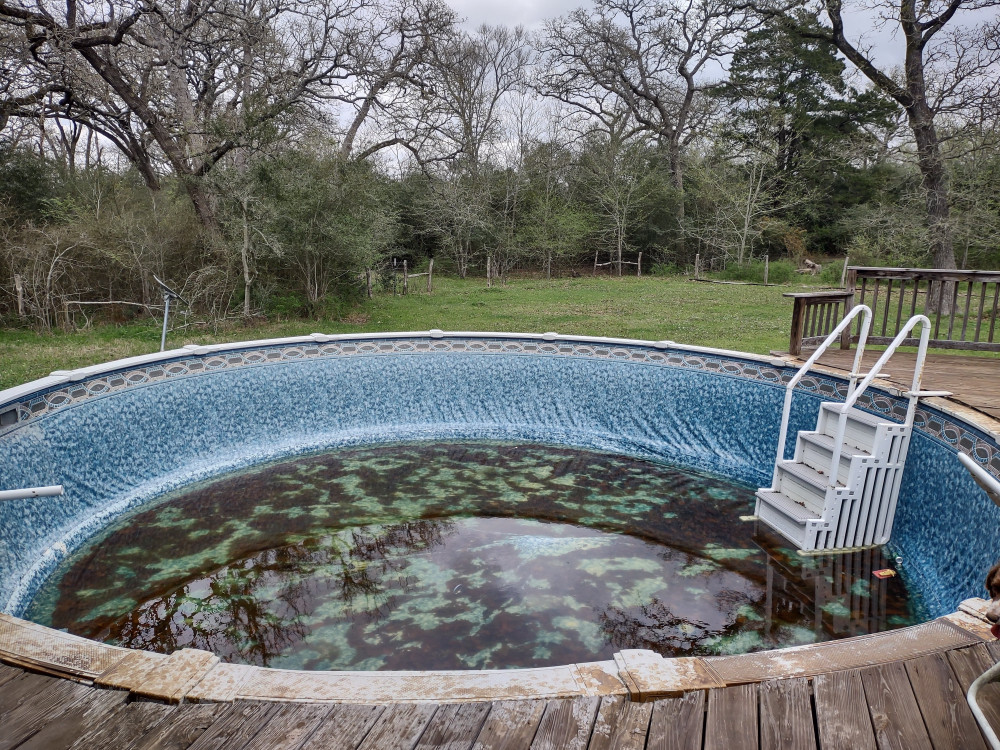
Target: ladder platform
column 825, row 441
column 856, row 414
column 797, row 512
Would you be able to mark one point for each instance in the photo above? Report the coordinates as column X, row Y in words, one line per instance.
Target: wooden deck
column 974, row 381
column 904, row 705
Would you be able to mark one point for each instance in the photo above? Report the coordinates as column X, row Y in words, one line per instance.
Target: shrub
column 779, row 272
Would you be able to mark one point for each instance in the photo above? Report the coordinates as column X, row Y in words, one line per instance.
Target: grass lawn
column 746, row 318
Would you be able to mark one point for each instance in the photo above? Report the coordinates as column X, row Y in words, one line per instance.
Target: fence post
column 368, row 281
column 697, row 265
column 843, row 274
column 406, row 283
column 638, row 266
column 430, row 275
column 766, row 264
column 798, row 319
column 19, row 287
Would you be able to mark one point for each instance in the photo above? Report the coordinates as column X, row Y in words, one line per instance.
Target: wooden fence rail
column 961, row 305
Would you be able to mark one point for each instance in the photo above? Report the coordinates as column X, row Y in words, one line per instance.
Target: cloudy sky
column 531, row 13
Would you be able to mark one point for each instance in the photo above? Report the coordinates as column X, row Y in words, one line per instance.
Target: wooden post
column 489, row 276
column 638, row 266
column 798, row 318
column 368, row 281
column 766, row 263
column 843, row 274
column 19, row 287
column 405, row 280
column 697, row 264
column 596, row 252
column 430, row 276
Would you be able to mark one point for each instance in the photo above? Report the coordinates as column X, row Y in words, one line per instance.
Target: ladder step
column 795, row 511
column 826, row 442
column 855, row 414
column 808, row 475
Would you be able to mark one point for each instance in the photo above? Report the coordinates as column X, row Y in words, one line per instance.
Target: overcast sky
column 531, row 13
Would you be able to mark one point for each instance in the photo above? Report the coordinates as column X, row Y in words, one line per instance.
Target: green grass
column 746, row 318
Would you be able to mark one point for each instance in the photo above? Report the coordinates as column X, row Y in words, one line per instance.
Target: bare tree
column 650, row 56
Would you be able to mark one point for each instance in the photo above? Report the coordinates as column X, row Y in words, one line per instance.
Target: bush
column 831, row 273
column 664, row 269
column 779, row 272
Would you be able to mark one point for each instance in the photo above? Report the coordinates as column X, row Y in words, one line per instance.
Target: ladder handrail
column 913, row 394
column 821, row 349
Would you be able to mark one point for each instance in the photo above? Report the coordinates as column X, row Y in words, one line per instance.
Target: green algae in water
column 460, row 556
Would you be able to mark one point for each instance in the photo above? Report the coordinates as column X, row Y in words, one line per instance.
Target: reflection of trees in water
column 255, row 609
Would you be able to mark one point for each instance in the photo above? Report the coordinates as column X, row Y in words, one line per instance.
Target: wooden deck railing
column 961, row 305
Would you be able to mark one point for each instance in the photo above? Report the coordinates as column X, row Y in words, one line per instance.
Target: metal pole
column 166, row 314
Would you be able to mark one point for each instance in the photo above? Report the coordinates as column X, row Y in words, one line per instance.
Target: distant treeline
column 266, row 158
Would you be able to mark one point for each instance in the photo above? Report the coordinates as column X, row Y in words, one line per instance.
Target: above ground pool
column 455, row 501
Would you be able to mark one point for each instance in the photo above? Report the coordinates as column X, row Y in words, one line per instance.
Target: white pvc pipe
column 973, row 695
column 51, row 491
column 790, row 387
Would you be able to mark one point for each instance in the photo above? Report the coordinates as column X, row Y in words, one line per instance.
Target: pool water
column 460, row 556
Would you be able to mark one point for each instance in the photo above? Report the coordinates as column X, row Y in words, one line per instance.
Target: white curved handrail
column 790, row 387
column 913, row 394
column 972, row 697
column 51, row 491
column 983, row 478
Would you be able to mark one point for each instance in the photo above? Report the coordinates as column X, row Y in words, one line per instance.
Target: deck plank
column 399, row 727
column 566, row 724
column 24, row 687
column 947, row 716
column 511, row 725
column 289, row 727
column 180, row 730
column 731, row 720
column 620, row 725
column 46, row 706
column 893, row 709
column 63, row 730
column 235, row 726
column 842, row 713
column 9, row 673
column 343, row 728
column 968, row 664
column 677, row 723
column 454, row 726
column 786, row 717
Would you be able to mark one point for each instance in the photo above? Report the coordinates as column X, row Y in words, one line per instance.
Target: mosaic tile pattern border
column 959, row 436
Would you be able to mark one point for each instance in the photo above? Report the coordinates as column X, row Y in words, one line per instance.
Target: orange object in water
column 884, row 573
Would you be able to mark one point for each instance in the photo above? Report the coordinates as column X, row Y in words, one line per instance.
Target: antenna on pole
column 168, row 294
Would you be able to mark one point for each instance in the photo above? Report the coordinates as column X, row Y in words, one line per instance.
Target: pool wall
column 121, row 434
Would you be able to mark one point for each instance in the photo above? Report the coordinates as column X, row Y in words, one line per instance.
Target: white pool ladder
column 840, row 489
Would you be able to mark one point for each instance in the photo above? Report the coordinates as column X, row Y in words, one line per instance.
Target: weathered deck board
column 893, row 708
column 842, row 717
column 343, row 728
column 786, row 718
column 968, row 664
column 566, row 724
column 677, row 723
column 974, row 381
column 399, row 727
column 289, row 727
column 511, row 725
column 731, row 721
column 454, row 726
column 620, row 725
column 947, row 716
column 915, row 704
column 181, row 734
column 236, row 726
column 97, row 709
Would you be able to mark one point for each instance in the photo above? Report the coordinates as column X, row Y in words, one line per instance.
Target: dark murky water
column 457, row 556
